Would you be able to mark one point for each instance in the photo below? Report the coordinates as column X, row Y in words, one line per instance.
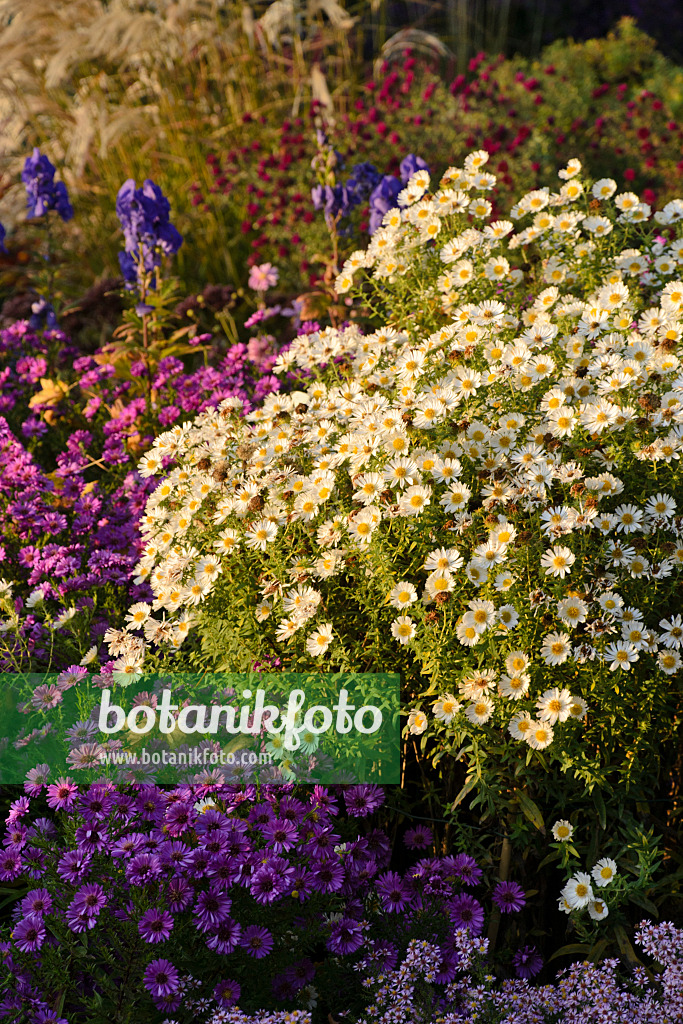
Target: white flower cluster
column 526, row 449
column 578, row 893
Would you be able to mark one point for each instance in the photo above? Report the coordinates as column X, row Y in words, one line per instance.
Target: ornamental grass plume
column 482, row 493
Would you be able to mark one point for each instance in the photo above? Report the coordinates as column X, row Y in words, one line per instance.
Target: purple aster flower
column 143, row 868
column 418, row 838
column 280, row 834
column 61, row 795
column 10, row 866
column 178, row 894
column 48, row 1017
column 328, row 876
column 346, row 936
column 226, row 993
column 17, row 809
column 155, row 925
column 448, row 968
column 36, row 778
column 257, row 941
column 508, row 897
column 265, row 885
column 3, row 233
column 394, row 891
column 212, row 907
column 89, row 900
column 38, row 901
column 29, row 934
column 527, row 962
column 363, row 800
column 73, row 866
column 226, row 938
column 466, row 912
column 464, row 867
column 161, row 978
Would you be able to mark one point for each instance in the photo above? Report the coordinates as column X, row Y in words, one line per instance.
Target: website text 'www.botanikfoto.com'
column 200, row 756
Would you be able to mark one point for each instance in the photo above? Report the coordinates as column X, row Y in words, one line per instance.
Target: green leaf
column 467, row 788
column 600, row 808
column 573, row 949
column 531, row 810
column 625, row 944
column 644, row 902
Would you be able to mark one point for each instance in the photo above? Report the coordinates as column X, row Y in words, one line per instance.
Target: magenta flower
column 263, row 277
column 61, row 794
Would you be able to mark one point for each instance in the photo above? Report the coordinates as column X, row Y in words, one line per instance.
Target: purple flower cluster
column 148, row 233
column 418, row 989
column 70, row 494
column 43, row 193
column 176, row 881
column 384, row 195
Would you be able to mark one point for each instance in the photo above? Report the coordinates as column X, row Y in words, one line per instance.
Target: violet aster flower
column 211, row 908
column 508, row 897
column 73, row 866
column 465, row 868
column 226, row 993
column 226, row 937
column 3, row 233
column 89, row 900
column 265, row 885
column 257, row 941
column 155, row 925
column 346, row 936
column 29, row 934
column 527, row 962
column 466, row 912
column 38, row 901
column 363, row 800
column 161, row 978
column 394, row 892
column 418, row 838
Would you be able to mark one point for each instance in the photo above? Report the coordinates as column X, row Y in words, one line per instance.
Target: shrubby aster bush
column 483, row 493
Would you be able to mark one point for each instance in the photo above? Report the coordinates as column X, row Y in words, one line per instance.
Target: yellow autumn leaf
column 53, row 391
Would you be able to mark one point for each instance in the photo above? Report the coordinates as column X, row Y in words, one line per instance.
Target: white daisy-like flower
column 403, row 629
column 557, row 561
column 562, row 830
column 556, row 648
column 578, row 891
column 604, row 872
column 446, row 708
column 417, row 722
